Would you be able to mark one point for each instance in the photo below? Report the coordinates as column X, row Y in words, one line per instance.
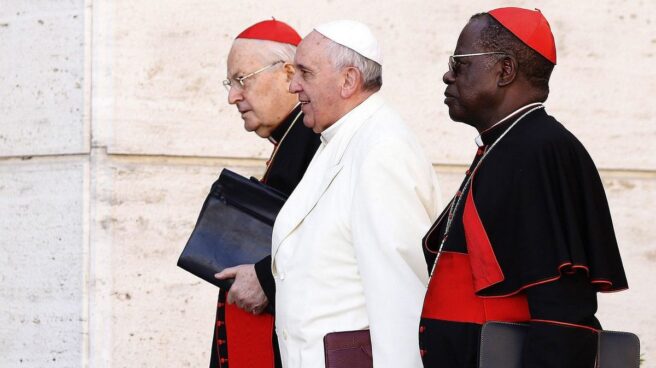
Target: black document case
column 502, row 342
column 234, row 227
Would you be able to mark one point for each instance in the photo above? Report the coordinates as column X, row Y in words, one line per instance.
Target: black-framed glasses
column 453, row 63
column 238, row 82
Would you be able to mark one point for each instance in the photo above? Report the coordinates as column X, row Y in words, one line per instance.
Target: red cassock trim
column 484, row 265
column 249, row 338
column 451, row 296
column 603, row 286
column 564, row 324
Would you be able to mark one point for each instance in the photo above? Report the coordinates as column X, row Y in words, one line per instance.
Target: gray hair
column 342, row 56
column 270, row 51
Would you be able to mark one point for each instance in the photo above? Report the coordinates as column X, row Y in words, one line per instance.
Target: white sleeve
column 395, row 200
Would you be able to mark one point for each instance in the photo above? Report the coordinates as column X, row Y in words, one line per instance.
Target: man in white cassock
column 347, row 251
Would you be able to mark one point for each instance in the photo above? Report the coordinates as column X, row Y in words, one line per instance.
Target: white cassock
column 347, row 251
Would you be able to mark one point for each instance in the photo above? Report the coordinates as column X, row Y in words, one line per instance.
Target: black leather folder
column 502, row 342
column 234, row 227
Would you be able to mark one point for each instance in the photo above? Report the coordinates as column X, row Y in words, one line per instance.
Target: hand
column 246, row 290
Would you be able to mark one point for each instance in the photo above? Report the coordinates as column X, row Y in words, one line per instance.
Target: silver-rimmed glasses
column 453, row 63
column 238, row 82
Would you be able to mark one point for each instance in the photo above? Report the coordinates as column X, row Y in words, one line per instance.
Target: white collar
column 479, row 139
column 331, row 131
column 365, row 108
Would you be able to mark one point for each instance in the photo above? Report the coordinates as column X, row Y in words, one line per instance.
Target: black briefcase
column 502, row 342
column 234, row 227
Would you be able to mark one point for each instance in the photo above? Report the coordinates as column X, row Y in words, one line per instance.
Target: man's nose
column 448, row 77
column 235, row 95
column 294, row 86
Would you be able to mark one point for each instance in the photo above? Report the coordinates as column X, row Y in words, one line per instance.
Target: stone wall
column 113, row 125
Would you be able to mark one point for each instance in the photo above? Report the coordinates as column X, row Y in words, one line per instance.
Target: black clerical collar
column 280, row 131
column 491, row 134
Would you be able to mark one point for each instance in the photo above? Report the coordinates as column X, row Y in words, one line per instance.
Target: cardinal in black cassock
column 259, row 90
column 528, row 237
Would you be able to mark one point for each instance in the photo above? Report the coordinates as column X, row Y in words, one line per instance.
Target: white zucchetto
column 354, row 35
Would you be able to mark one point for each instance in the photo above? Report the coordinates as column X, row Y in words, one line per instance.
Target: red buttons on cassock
column 480, row 151
column 422, row 329
column 224, row 360
column 422, row 352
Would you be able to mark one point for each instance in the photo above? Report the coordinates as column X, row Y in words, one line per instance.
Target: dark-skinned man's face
column 471, row 88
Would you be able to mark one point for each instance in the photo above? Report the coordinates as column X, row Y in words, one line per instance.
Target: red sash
column 249, row 338
column 451, row 294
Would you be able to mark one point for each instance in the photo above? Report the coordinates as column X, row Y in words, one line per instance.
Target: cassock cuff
column 265, row 277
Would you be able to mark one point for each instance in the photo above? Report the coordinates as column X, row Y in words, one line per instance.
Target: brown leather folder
column 348, row 349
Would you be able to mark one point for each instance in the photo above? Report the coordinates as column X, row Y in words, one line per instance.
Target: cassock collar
column 332, row 130
column 491, row 134
column 280, row 131
column 372, row 103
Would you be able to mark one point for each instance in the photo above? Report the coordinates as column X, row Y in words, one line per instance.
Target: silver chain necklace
column 455, row 202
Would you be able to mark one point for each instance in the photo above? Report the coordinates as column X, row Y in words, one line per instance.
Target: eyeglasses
column 238, row 82
column 453, row 63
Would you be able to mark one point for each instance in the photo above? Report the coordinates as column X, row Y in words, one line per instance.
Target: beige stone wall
column 113, row 125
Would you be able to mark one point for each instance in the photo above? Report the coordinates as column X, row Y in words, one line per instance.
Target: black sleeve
column 563, row 326
column 264, row 275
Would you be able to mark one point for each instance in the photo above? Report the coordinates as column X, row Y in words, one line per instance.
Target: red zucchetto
column 272, row 30
column 531, row 27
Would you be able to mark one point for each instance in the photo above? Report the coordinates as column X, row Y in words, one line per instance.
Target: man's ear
column 289, row 70
column 352, row 79
column 508, row 71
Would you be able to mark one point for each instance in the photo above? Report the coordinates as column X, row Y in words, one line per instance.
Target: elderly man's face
column 264, row 101
column 317, row 83
column 472, row 85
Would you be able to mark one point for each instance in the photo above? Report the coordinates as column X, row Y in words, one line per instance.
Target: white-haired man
column 259, row 71
column 346, row 245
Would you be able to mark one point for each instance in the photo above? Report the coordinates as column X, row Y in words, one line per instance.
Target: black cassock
column 294, row 147
column 531, row 241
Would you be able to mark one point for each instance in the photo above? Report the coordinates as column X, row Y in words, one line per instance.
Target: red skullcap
column 272, row 30
column 531, row 27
